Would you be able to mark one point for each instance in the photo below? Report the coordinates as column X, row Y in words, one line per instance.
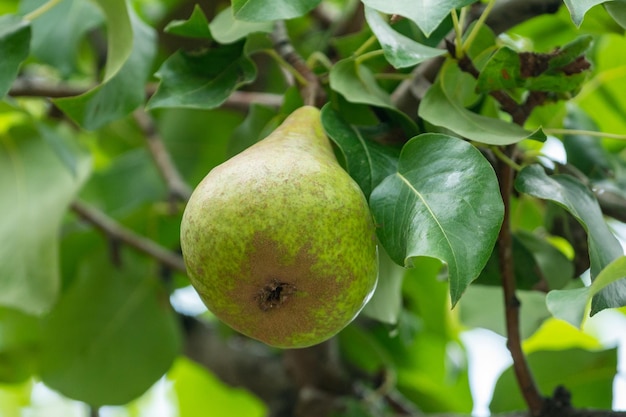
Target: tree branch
column 177, row 187
column 117, row 232
column 527, row 385
column 28, row 87
column 504, row 15
column 311, row 88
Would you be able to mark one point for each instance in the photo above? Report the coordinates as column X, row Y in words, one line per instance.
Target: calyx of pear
column 279, row 241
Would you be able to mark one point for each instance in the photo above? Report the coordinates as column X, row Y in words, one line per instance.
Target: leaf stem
column 479, row 23
column 458, row 34
column 369, row 42
column 41, row 10
column 557, row 131
column 287, row 66
column 368, row 55
column 504, row 158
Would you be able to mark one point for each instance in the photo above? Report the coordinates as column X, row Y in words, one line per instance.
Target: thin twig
column 117, row 232
column 311, row 89
column 176, row 185
column 527, row 385
column 238, row 100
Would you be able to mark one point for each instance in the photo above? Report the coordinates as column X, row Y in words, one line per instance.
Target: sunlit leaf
column 15, row 36
column 18, row 345
column 578, row 8
column 386, row 303
column 120, row 42
column 122, row 91
column 118, row 346
column 441, row 108
column 573, row 196
column 399, row 50
column 587, row 375
column 202, row 80
column 427, row 14
column 37, row 189
column 357, row 84
column 226, row 29
column 444, row 202
column 268, row 10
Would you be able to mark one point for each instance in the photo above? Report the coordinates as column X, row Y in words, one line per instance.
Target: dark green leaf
column 197, row 26
column 204, row 80
column 585, row 152
column 501, row 72
column 399, row 50
column 259, row 123
column 573, row 196
column 427, row 14
column 37, row 189
column 617, row 10
column 587, row 375
column 122, row 338
column 58, row 44
column 226, row 29
column 367, row 162
column 122, row 91
column 14, row 48
column 268, row 10
column 555, row 268
column 569, row 52
column 444, row 202
column 441, row 107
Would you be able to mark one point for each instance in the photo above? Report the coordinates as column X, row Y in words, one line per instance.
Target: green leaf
column 120, row 38
column 37, row 190
column 204, row 80
column 269, row 10
column 123, row 91
column 571, row 305
column 573, row 196
column 367, row 162
column 444, row 196
column 585, row 152
column 18, row 345
column 386, row 303
column 617, row 10
column 578, row 8
column 226, row 29
column 58, row 44
column 357, row 84
column 587, row 375
column 197, row 26
column 441, row 107
column 482, row 306
column 198, row 391
column 14, row 48
column 259, row 123
column 427, row 14
column 399, row 50
column 122, row 338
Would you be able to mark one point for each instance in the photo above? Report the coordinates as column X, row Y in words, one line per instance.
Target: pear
column 279, row 241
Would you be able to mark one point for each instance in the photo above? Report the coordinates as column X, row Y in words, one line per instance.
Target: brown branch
column 238, row 100
column 527, row 385
column 311, row 90
column 177, row 187
column 117, row 232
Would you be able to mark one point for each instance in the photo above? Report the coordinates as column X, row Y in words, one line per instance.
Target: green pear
column 279, row 241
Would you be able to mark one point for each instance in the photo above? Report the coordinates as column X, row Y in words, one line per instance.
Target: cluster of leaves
column 91, row 318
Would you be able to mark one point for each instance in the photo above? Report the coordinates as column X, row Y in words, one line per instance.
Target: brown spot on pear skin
column 280, row 295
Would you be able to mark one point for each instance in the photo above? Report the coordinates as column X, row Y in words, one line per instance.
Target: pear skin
column 279, row 241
